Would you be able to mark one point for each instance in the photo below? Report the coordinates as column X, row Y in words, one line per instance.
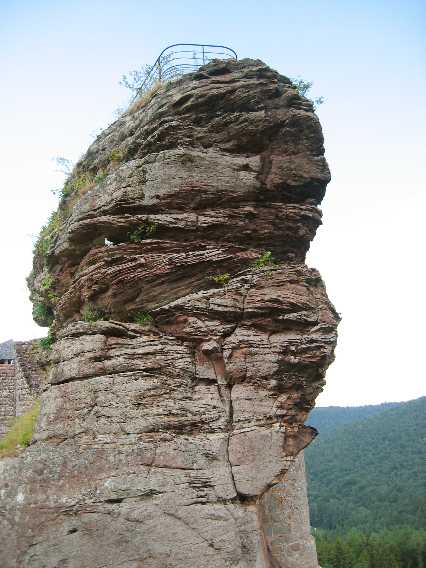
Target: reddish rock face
column 159, row 442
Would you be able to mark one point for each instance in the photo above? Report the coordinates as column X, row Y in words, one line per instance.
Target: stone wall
column 20, row 382
column 28, row 376
column 7, row 396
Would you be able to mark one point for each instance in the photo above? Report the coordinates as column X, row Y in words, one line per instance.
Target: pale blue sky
column 60, row 63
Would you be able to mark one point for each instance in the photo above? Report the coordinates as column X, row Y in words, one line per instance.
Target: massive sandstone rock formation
column 161, row 444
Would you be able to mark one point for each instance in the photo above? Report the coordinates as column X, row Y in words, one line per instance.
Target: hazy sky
column 60, row 63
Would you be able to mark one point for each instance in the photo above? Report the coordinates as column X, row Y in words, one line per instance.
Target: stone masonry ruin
column 190, row 339
column 21, row 372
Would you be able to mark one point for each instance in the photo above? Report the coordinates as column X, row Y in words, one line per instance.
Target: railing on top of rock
column 180, row 58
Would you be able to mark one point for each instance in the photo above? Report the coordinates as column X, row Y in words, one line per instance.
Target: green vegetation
column 303, row 87
column 265, row 259
column 47, row 342
column 92, row 314
column 47, row 282
column 366, row 481
column 20, row 433
column 143, row 318
column 398, row 548
column 369, row 474
column 100, row 176
column 144, row 231
column 82, row 181
column 76, row 183
column 329, row 418
column 47, row 285
column 43, row 313
column 221, row 279
column 47, row 233
column 144, row 85
column 116, row 155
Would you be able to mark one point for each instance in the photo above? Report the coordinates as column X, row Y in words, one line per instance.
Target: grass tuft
column 221, row 279
column 143, row 318
column 144, row 99
column 46, row 343
column 265, row 259
column 92, row 314
column 20, row 432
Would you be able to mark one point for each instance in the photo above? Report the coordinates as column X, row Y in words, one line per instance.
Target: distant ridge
column 328, row 418
column 368, row 473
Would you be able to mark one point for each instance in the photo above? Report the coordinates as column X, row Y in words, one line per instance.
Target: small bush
column 265, row 259
column 47, row 342
column 303, row 87
column 91, row 314
column 144, row 231
column 143, row 318
column 221, row 279
column 20, row 432
column 43, row 313
column 116, row 155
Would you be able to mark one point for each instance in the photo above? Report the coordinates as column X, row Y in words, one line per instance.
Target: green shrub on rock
column 43, row 314
column 47, row 233
column 47, row 342
column 144, row 231
column 92, row 314
column 221, row 279
column 265, row 259
column 20, row 432
column 143, row 318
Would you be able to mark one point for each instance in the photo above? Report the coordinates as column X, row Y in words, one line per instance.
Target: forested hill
column 369, row 474
column 328, row 418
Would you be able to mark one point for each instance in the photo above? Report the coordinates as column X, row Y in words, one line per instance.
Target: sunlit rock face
column 190, row 347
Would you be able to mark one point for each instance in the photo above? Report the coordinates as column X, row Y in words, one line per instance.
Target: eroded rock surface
column 159, row 442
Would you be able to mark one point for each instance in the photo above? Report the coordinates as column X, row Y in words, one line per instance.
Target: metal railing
column 180, row 58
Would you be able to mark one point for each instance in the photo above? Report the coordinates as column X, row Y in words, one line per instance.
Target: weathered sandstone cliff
column 191, row 338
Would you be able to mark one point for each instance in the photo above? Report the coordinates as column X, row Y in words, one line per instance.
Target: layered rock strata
column 191, row 338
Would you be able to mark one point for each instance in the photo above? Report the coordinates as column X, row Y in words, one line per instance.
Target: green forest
column 367, row 481
column 398, row 548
